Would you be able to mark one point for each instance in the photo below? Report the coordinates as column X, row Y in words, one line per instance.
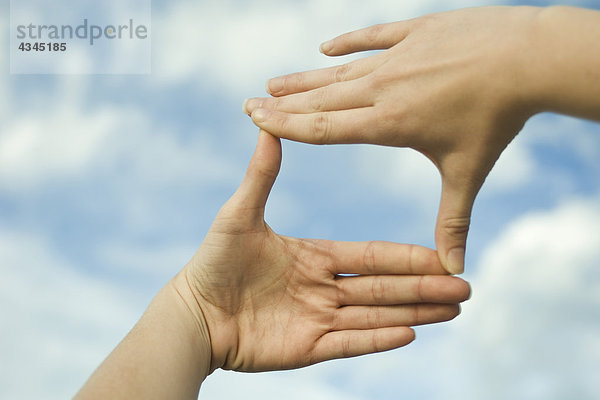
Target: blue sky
column 109, row 183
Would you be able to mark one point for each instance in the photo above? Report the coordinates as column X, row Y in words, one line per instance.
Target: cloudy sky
column 109, row 183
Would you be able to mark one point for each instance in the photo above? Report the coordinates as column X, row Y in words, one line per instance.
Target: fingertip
column 412, row 335
column 404, row 335
column 326, row 47
column 251, row 104
column 260, row 115
column 462, row 289
column 469, row 291
column 452, row 311
column 457, row 310
column 455, row 261
column 275, row 86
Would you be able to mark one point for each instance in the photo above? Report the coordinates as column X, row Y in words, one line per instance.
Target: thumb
column 261, row 173
column 452, row 227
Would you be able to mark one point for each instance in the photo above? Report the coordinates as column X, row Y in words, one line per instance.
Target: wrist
column 564, row 62
column 526, row 87
column 190, row 313
column 219, row 330
column 541, row 63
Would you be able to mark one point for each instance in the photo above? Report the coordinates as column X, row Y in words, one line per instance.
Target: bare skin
column 252, row 300
column 456, row 86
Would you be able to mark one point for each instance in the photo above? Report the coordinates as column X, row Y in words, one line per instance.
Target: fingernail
column 260, row 115
column 326, row 46
column 250, row 105
column 274, row 86
column 456, row 261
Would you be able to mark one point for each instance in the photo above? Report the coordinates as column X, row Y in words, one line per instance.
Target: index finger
column 382, row 258
column 303, row 81
column 375, row 37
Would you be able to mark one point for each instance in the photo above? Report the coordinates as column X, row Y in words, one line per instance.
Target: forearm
column 564, row 67
column 166, row 355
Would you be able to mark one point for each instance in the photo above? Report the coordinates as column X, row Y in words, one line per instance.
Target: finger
column 345, row 126
column 371, row 317
column 452, row 227
column 308, row 80
column 376, row 37
column 352, row 343
column 380, row 258
column 337, row 96
column 261, row 173
column 401, row 289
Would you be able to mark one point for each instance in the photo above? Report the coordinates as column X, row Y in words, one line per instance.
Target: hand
column 272, row 302
column 449, row 85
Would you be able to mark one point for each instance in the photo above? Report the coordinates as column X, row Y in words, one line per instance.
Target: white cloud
column 403, row 173
column 58, row 324
column 284, row 211
column 67, row 142
column 33, row 148
column 160, row 262
column 566, row 134
column 514, row 169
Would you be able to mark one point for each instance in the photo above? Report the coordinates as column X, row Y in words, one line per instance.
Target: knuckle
column 346, row 346
column 341, row 73
column 416, row 314
column 424, row 21
column 410, row 263
column 266, row 171
column 419, row 289
column 285, row 83
column 318, row 100
column 293, row 82
column 369, row 257
column 375, row 82
column 340, row 289
column 321, row 128
column 388, row 120
column 373, row 33
column 282, row 122
column 273, row 103
column 457, row 227
column 337, row 319
column 375, row 344
column 374, row 319
column 378, row 290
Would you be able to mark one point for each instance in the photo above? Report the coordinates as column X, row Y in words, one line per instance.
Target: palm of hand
column 276, row 296
column 274, row 302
